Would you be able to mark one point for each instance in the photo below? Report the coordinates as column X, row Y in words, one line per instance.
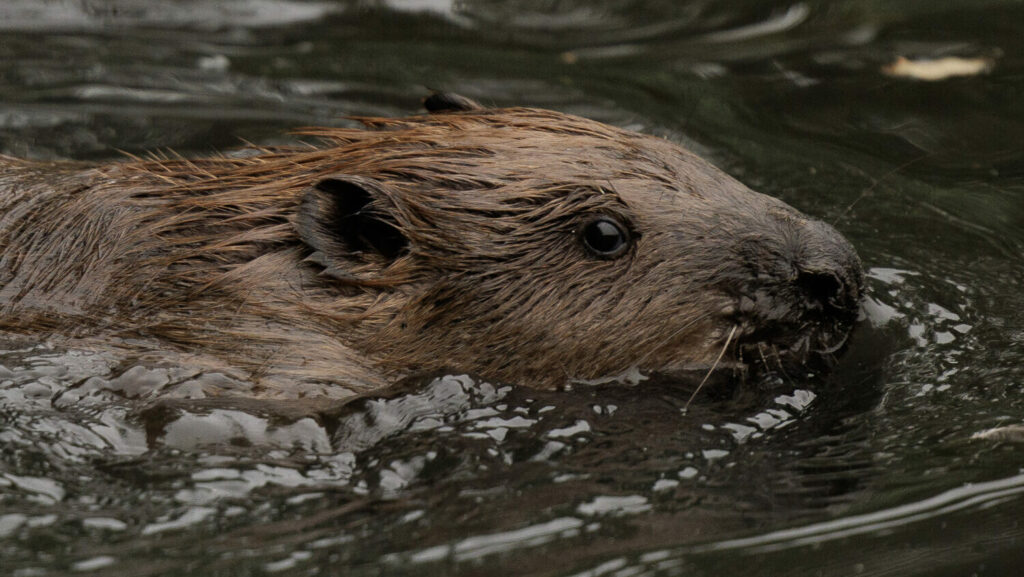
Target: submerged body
column 522, row 245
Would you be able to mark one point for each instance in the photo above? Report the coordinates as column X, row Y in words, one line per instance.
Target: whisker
column 721, row 354
column 778, row 360
column 867, row 191
column 760, row 350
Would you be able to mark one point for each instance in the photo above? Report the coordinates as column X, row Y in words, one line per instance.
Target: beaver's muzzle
column 802, row 293
column 828, row 271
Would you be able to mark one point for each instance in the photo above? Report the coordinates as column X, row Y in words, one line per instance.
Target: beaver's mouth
column 783, row 352
column 795, row 327
column 791, row 351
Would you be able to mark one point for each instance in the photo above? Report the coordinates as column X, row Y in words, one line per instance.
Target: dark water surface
column 872, row 470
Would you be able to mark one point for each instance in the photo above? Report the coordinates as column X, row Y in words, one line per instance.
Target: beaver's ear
column 338, row 218
column 449, row 102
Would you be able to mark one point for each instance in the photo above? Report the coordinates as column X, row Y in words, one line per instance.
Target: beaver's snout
column 803, row 301
column 828, row 271
column 829, row 288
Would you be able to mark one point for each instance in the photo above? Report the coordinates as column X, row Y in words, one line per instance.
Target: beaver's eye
column 605, row 238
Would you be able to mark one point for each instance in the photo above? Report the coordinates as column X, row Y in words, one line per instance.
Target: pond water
column 882, row 467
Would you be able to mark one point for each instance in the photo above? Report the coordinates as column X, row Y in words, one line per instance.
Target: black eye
column 605, row 238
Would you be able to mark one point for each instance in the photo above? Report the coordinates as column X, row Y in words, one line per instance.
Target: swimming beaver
column 523, row 245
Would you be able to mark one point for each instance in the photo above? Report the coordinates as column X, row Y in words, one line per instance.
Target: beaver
column 521, row 245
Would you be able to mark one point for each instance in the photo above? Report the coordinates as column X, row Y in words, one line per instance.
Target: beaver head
column 523, row 245
column 534, row 246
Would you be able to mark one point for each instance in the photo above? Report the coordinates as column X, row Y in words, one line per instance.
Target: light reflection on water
column 979, row 495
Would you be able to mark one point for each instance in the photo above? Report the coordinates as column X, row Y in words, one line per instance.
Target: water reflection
column 70, row 15
column 448, row 444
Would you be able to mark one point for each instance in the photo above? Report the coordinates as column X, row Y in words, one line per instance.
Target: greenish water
column 870, row 471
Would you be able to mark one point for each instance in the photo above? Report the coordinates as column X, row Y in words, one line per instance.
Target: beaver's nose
column 827, row 270
column 832, row 290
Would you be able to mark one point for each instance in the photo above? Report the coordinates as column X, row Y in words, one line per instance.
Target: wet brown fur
column 204, row 255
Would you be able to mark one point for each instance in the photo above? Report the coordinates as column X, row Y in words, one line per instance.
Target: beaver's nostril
column 825, row 288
